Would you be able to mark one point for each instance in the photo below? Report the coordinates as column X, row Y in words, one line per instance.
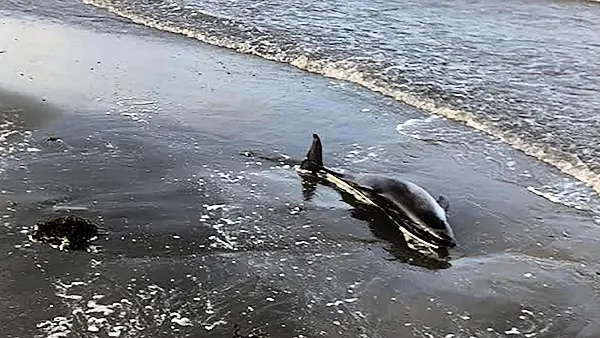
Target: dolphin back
column 415, row 199
column 420, row 207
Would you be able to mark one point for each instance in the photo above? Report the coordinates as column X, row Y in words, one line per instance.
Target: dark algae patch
column 66, row 233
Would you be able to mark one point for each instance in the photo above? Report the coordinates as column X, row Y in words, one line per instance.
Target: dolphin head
column 443, row 234
column 428, row 227
column 435, row 229
column 423, row 216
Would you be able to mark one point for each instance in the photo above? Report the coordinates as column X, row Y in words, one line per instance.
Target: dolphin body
column 419, row 216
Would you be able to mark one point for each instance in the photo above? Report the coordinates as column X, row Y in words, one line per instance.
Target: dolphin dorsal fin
column 315, row 154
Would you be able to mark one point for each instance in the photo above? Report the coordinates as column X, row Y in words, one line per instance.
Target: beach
column 165, row 141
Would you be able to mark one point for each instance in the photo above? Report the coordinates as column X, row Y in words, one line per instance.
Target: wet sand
column 202, row 237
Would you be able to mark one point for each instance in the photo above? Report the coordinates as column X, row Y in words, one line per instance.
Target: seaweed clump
column 66, row 233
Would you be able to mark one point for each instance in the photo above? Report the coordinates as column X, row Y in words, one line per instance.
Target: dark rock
column 52, row 138
column 66, row 233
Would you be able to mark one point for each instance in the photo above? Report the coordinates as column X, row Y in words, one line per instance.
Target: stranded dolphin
column 418, row 215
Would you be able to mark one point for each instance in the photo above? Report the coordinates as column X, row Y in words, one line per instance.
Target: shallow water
column 504, row 68
column 202, row 237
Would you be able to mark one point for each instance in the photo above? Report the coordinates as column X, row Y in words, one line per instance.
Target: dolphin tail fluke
column 314, row 157
column 443, row 202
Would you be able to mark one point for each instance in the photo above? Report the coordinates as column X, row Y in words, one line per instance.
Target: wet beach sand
column 162, row 140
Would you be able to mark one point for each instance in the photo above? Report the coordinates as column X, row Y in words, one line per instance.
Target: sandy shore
column 201, row 237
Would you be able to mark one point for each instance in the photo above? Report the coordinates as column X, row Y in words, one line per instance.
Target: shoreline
column 567, row 163
column 151, row 139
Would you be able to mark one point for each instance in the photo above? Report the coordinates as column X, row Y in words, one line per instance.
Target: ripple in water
column 430, row 59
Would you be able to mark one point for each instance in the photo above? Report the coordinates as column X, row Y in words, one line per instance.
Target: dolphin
column 418, row 215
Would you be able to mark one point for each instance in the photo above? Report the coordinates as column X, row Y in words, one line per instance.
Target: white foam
column 512, row 331
column 143, row 103
column 570, row 193
column 214, row 207
column 219, row 242
column 527, row 312
column 180, row 320
column 209, row 307
column 65, row 296
column 56, row 328
column 69, row 207
column 12, row 141
column 150, row 306
column 209, row 327
column 411, row 123
column 335, row 303
column 116, row 331
column 98, row 308
column 547, row 196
